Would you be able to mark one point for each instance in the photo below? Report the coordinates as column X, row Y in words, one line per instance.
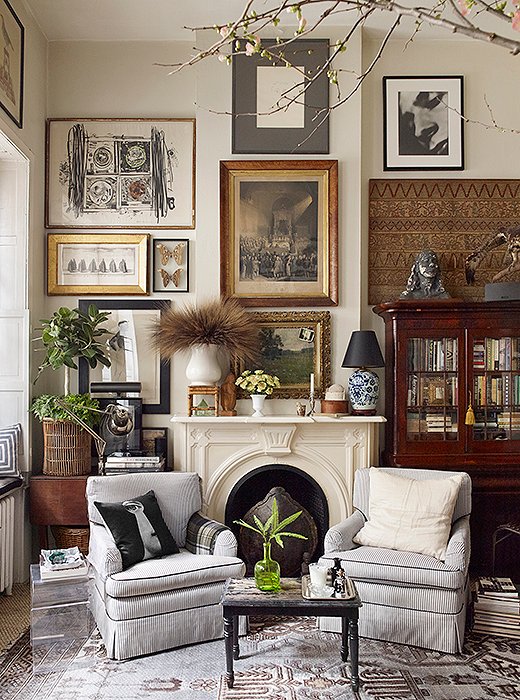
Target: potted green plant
column 267, row 570
column 66, row 336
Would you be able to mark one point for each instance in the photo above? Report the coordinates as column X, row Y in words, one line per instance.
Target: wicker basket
column 66, row 449
column 71, row 537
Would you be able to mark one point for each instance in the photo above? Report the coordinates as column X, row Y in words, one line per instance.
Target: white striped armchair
column 165, row 602
column 409, row 598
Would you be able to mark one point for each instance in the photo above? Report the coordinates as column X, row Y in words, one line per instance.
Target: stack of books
column 130, row 464
column 497, row 607
column 66, row 563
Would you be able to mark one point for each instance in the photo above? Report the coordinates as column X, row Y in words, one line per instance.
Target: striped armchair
column 407, row 597
column 159, row 604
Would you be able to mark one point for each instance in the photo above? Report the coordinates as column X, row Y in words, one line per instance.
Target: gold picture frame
column 279, row 232
column 82, row 264
column 293, row 344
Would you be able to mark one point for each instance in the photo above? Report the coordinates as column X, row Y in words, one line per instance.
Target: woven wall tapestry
column 451, row 217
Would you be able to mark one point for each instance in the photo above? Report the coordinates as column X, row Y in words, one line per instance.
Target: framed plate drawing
column 120, row 173
column 293, row 345
column 171, row 264
column 11, row 75
column 132, row 358
column 276, row 107
column 423, row 125
column 279, row 232
column 110, row 263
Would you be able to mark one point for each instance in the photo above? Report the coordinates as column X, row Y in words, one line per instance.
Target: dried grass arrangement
column 221, row 322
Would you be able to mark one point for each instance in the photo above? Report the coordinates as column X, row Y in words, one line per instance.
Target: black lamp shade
column 363, row 351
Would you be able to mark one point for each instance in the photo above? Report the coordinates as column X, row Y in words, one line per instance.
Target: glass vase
column 267, row 571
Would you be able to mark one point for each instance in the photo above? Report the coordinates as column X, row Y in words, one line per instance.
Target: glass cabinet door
column 496, row 388
column 432, row 405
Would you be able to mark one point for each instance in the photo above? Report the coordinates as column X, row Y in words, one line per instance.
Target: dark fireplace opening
column 253, row 487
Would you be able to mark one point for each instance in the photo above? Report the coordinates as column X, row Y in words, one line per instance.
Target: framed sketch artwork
column 281, row 98
column 279, row 232
column 97, row 263
column 11, row 74
column 423, row 125
column 120, row 173
column 129, row 349
column 293, row 345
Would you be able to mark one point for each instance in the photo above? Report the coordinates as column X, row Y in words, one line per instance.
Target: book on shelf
column 497, row 585
column 119, row 458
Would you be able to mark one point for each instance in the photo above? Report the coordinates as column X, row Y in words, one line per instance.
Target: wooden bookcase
column 441, row 356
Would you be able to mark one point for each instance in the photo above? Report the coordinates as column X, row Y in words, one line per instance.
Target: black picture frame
column 423, row 125
column 171, row 265
column 127, row 444
column 313, row 137
column 11, row 89
column 163, row 381
column 155, row 443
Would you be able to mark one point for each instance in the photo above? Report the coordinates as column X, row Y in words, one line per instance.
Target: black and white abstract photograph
column 423, row 127
column 125, row 173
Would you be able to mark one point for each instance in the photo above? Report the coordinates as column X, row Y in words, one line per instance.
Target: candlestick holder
column 312, row 404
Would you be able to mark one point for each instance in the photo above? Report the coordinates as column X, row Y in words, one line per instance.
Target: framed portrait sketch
column 171, row 264
column 11, row 82
column 279, row 232
column 293, row 344
column 99, row 263
column 120, row 173
column 276, row 107
column 423, row 125
column 129, row 350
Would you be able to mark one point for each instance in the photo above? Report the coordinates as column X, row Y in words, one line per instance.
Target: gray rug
column 281, row 659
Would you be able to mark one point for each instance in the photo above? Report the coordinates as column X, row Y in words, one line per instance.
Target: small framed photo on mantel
column 423, row 123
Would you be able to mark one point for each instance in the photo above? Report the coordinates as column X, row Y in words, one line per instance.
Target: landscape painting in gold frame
column 279, row 232
column 79, row 264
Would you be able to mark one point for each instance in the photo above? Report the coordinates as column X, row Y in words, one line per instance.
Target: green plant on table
column 81, row 405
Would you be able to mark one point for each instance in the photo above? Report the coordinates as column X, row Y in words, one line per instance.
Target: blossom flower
column 257, row 382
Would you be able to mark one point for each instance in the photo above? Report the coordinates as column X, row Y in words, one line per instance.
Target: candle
column 312, row 384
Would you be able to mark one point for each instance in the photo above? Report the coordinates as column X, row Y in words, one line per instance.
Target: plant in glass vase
column 267, row 570
column 258, row 385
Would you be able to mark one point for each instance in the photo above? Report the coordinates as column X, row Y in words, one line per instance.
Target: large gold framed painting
column 454, row 218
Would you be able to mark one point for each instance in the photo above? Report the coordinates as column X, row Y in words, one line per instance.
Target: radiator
column 7, row 544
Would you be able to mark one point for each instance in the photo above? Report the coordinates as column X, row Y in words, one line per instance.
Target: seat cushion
column 138, row 528
column 409, row 515
column 380, row 565
column 171, row 573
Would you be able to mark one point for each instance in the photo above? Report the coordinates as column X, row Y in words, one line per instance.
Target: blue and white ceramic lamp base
column 363, row 392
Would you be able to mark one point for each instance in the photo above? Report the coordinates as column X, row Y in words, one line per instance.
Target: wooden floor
column 14, row 614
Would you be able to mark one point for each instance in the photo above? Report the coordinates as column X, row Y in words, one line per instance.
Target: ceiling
column 153, row 20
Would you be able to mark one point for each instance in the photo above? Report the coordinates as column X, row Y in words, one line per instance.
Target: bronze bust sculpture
column 425, row 281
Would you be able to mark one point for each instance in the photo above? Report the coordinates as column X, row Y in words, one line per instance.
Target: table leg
column 228, row 640
column 354, row 649
column 236, row 647
column 344, row 638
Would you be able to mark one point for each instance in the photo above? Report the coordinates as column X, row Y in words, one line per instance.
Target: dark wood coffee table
column 242, row 597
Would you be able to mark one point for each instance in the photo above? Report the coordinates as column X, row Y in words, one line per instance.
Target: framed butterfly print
column 81, row 264
column 171, row 264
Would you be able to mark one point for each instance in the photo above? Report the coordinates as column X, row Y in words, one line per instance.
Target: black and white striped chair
column 409, row 598
column 159, row 603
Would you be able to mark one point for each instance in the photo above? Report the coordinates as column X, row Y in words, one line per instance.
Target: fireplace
column 304, row 489
column 319, row 454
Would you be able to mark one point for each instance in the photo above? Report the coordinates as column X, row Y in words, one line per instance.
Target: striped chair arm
column 458, row 549
column 103, row 554
column 205, row 536
column 339, row 537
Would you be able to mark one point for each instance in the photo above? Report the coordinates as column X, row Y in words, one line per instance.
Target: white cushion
column 409, row 515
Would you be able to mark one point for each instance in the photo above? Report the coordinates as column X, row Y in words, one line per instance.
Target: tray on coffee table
column 307, row 593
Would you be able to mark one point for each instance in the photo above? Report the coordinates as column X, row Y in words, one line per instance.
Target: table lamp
column 363, row 385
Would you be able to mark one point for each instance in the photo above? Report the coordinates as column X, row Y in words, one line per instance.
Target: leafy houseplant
column 267, row 570
column 82, row 405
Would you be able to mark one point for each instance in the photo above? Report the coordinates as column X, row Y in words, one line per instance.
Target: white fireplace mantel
column 224, row 449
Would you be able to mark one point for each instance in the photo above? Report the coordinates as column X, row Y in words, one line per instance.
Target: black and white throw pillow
column 138, row 528
column 9, row 448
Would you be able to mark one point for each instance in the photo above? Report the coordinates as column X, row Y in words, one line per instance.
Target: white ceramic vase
column 258, row 404
column 203, row 369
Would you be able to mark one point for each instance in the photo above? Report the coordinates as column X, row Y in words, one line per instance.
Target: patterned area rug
column 281, row 659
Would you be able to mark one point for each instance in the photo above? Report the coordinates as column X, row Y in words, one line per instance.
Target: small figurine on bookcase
column 425, row 281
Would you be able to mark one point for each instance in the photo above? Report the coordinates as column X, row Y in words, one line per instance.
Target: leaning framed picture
column 423, row 123
column 293, row 345
column 120, row 173
column 171, row 264
column 129, row 349
column 281, row 98
column 11, row 74
column 279, row 232
column 108, row 263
